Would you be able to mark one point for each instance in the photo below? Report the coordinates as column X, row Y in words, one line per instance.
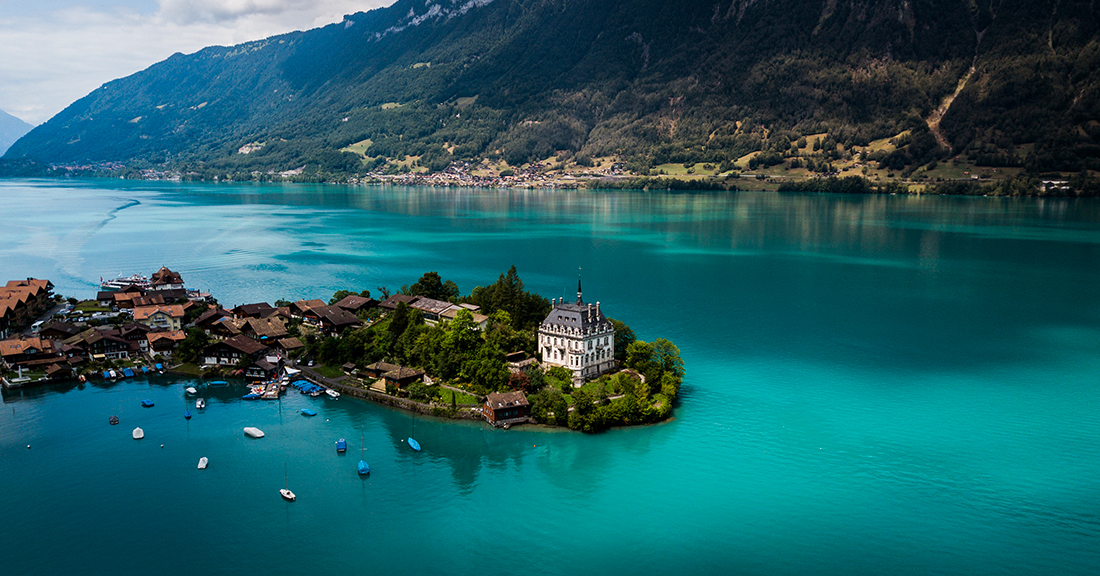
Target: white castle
column 578, row 337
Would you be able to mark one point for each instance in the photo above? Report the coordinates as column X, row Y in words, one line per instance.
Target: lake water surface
column 876, row 385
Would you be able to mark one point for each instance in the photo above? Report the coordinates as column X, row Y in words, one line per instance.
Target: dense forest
column 1010, row 83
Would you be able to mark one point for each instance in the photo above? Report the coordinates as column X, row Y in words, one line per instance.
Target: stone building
column 578, row 337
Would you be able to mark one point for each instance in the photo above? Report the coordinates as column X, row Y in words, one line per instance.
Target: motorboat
column 139, row 433
column 203, row 462
column 186, row 414
column 341, row 445
column 147, row 403
column 254, row 432
column 191, row 390
column 113, row 420
column 332, row 393
column 200, row 404
column 308, row 412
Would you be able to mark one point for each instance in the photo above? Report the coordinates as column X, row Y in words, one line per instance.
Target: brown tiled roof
column 289, row 344
column 258, row 310
column 175, row 335
column 270, row 327
column 335, row 315
column 206, row 317
column 245, row 344
column 165, row 276
column 392, row 301
column 431, row 305
column 171, row 310
column 506, row 399
column 382, row 367
column 355, row 303
column 402, row 373
column 21, row 345
column 303, row 306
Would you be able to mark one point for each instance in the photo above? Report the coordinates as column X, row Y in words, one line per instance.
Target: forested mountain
column 646, row 80
column 11, row 129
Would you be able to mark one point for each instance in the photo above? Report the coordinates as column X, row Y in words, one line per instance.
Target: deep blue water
column 876, row 385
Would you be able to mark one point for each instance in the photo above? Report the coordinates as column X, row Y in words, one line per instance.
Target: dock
column 271, row 391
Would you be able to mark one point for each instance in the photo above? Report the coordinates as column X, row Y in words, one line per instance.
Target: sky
column 54, row 52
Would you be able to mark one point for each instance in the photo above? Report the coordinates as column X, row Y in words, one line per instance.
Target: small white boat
column 254, row 432
column 332, row 393
column 202, row 463
column 287, row 494
column 139, row 433
column 191, row 390
column 200, row 404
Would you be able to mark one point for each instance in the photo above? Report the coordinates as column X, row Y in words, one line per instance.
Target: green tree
column 190, row 349
column 431, row 285
column 624, row 337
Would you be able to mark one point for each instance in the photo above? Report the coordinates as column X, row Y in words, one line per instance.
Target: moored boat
column 251, row 396
column 127, row 373
column 203, row 462
column 139, row 433
column 186, row 414
column 364, row 468
column 122, row 282
column 308, row 412
column 200, row 404
column 341, row 445
column 147, row 403
column 254, row 432
column 191, row 390
column 332, row 393
column 113, row 420
column 219, row 383
column 414, row 444
column 285, row 490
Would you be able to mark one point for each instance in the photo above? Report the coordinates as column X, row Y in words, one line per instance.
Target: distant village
column 139, row 325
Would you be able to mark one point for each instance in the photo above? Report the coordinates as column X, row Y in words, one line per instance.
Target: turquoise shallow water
column 876, row 385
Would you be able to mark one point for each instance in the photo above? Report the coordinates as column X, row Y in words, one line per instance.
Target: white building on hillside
column 578, row 337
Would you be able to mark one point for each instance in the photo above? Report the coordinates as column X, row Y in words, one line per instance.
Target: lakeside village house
column 574, row 335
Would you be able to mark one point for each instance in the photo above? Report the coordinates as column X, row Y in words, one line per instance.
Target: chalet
column 288, row 345
column 506, row 408
column 402, row 376
column 377, row 369
column 264, row 330
column 225, row 328
column 258, row 310
column 101, row 344
column 265, row 368
column 21, row 300
column 578, row 337
column 356, row 304
column 165, row 343
column 209, row 318
column 17, row 352
column 147, row 300
column 165, row 279
column 392, row 302
column 59, row 372
column 332, row 319
column 232, row 351
column 300, row 308
column 58, row 331
column 164, row 317
column 137, row 333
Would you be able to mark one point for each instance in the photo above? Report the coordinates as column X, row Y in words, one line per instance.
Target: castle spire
column 578, row 288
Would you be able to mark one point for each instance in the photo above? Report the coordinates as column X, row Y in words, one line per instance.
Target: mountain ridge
column 642, row 80
column 11, row 130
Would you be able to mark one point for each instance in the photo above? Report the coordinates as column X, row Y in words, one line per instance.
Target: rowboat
column 414, row 444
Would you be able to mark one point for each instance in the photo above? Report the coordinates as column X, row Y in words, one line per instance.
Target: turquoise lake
column 875, row 385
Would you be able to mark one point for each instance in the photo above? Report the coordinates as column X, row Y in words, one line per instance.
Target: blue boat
column 308, row 412
column 251, row 396
column 159, row 367
column 216, row 383
column 187, row 415
column 414, row 444
column 364, row 469
column 144, row 370
column 147, row 403
column 106, row 374
column 127, row 372
column 341, row 445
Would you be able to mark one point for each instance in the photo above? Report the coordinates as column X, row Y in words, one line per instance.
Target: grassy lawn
column 463, row 398
column 91, row 306
column 189, row 370
column 329, row 371
column 359, row 148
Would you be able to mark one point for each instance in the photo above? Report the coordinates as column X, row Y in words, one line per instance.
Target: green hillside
column 738, row 84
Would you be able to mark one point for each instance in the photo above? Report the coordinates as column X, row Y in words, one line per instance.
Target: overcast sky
column 53, row 52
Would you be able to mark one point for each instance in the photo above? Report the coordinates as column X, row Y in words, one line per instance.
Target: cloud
column 49, row 58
